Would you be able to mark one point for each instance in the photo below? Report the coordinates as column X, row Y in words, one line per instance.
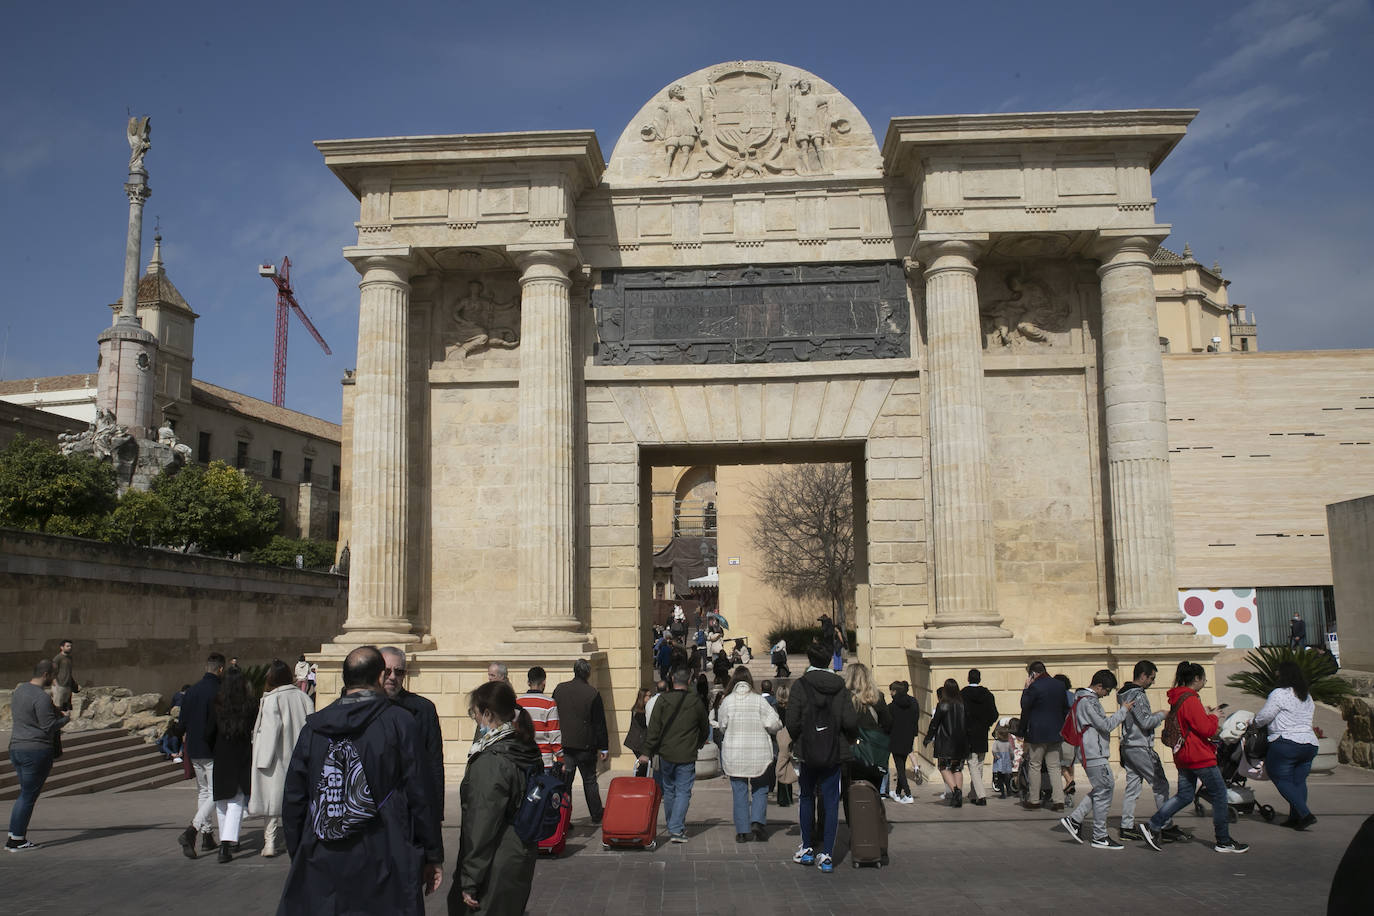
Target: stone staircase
column 101, row 760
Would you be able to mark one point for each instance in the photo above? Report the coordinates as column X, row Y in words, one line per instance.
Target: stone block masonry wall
column 1045, row 506
column 146, row 619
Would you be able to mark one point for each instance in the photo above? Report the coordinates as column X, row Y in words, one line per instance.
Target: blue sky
column 1273, row 180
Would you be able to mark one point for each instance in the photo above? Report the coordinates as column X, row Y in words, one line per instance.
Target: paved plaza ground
column 117, row 854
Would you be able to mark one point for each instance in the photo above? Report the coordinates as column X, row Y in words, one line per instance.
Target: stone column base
column 446, row 679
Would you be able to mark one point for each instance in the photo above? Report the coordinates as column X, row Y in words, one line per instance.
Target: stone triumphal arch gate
column 967, row 313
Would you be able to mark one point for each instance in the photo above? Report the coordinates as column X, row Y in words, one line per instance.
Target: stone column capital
column 138, row 192
column 937, row 255
column 1119, row 249
column 375, row 264
column 545, row 263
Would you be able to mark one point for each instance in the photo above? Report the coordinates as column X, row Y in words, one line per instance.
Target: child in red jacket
column 1196, row 758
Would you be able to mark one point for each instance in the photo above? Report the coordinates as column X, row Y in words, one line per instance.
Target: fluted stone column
column 377, row 599
column 547, row 498
column 965, row 594
column 1144, row 578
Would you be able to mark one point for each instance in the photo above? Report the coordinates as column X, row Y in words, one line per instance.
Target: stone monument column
column 964, row 576
column 127, row 376
column 1144, row 579
column 547, row 501
column 377, row 598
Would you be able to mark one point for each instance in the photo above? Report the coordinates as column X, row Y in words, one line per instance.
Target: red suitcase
column 631, row 815
column 553, row 844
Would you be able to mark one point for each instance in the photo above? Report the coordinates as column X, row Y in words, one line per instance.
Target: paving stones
column 117, row 854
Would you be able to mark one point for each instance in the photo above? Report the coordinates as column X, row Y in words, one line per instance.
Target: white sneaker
column 906, row 800
column 804, row 856
column 176, row 760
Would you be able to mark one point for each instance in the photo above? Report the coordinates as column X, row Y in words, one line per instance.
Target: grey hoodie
column 1138, row 729
column 1097, row 733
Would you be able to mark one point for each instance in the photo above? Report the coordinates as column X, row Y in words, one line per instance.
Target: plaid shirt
column 749, row 722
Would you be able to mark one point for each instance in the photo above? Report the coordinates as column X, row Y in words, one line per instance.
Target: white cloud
column 1253, row 55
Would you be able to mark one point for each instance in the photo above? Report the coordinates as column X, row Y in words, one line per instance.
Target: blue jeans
column 1288, row 764
column 751, row 805
column 827, row 780
column 32, row 767
column 1187, row 786
column 677, row 793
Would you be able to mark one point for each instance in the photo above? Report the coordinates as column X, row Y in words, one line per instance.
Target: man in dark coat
column 1044, row 704
column 197, row 718
column 1297, row 631
column 582, row 721
column 390, row 862
column 980, row 715
column 426, row 720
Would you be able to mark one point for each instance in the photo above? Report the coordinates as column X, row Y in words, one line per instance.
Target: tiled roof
column 223, row 399
column 1163, row 255
column 158, row 288
column 48, row 383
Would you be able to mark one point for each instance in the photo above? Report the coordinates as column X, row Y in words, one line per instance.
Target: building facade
column 294, row 457
column 966, row 316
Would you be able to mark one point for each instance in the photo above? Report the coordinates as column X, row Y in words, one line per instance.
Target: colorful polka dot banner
column 1228, row 615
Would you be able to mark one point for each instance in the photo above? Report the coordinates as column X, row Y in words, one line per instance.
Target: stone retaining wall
column 146, row 619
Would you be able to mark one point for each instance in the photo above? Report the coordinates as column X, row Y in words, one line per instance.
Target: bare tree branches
column 804, row 533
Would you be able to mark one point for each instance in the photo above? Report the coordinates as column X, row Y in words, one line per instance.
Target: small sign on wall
column 733, row 561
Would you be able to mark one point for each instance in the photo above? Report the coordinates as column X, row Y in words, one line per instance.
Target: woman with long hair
column 1292, row 742
column 638, row 731
column 874, row 719
column 786, row 769
column 231, row 739
column 281, row 716
column 495, row 868
column 950, row 734
column 749, row 723
column 1195, row 758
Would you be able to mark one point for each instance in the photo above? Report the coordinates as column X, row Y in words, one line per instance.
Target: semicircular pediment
column 744, row 121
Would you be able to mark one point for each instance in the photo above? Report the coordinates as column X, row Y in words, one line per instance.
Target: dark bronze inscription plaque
column 752, row 314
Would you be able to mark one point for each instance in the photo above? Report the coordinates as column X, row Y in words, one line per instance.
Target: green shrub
column 1322, row 682
column 282, row 551
column 798, row 638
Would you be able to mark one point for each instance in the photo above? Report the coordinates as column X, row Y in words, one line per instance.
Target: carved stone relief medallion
column 1024, row 305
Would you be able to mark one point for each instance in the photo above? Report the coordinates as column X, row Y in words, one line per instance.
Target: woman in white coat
column 281, row 716
column 747, row 754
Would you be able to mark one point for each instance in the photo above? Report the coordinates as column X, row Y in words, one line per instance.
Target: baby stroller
column 1231, row 759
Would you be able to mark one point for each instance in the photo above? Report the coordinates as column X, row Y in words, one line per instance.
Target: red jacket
column 1198, row 751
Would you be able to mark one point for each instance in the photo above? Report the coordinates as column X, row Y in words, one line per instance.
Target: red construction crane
column 286, row 297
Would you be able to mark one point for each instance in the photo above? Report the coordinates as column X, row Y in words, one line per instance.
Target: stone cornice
column 577, row 148
column 1164, row 126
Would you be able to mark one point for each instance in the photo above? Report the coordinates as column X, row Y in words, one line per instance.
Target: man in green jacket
column 678, row 729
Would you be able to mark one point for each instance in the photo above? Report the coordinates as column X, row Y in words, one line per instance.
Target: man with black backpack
column 823, row 725
column 361, row 828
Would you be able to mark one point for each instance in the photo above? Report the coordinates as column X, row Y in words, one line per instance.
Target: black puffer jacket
column 906, row 719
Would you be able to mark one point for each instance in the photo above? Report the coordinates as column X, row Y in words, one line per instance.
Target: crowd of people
column 361, row 781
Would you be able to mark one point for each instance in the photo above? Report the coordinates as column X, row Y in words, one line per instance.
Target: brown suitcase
column 867, row 825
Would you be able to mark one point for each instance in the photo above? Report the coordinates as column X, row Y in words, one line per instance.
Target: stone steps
column 100, row 761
